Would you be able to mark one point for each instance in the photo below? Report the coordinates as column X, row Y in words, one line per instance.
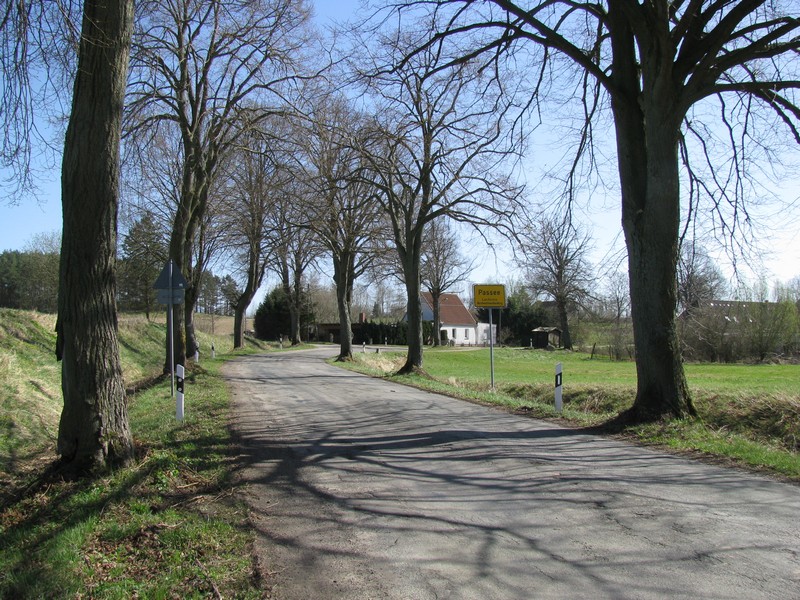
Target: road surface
column 363, row 489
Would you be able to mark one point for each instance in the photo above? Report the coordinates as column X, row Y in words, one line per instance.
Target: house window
column 466, row 334
column 454, row 334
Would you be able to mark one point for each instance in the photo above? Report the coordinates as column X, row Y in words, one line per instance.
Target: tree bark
column 255, row 274
column 342, row 277
column 563, row 319
column 189, row 300
column 239, row 321
column 346, row 328
column 176, row 253
column 647, row 128
column 436, row 296
column 93, row 431
column 295, row 306
column 414, row 314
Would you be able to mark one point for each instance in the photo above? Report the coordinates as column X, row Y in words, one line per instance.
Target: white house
column 458, row 326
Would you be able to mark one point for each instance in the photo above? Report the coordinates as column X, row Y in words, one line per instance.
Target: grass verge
column 749, row 415
column 167, row 527
column 170, row 526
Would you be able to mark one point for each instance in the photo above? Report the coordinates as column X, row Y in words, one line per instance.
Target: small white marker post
column 559, row 404
column 179, row 395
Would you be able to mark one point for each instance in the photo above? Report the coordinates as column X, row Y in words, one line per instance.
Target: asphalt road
column 365, row 489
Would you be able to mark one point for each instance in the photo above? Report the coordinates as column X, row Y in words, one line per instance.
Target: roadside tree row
column 253, row 143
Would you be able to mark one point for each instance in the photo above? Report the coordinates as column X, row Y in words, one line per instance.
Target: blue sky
column 18, row 224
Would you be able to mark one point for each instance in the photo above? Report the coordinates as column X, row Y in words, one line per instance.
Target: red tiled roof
column 451, row 310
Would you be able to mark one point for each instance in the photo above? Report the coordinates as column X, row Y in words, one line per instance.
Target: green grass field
column 533, row 366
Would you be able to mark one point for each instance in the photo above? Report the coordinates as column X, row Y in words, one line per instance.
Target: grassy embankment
column 166, row 527
column 748, row 414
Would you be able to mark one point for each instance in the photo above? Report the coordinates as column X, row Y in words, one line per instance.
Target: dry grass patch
column 382, row 364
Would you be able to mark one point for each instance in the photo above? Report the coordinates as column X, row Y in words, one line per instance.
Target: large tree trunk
column 194, row 276
column 239, row 321
column 291, row 291
column 647, row 122
column 563, row 321
column 414, row 316
column 345, row 327
column 176, row 252
column 342, row 272
column 180, row 246
column 255, row 272
column 184, row 228
column 647, row 146
column 436, row 296
column 652, row 258
column 189, row 301
column 93, row 432
column 296, row 310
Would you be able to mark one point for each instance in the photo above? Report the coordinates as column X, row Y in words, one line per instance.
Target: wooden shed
column 544, row 337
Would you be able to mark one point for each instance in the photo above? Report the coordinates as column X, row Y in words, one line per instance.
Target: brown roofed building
column 458, row 325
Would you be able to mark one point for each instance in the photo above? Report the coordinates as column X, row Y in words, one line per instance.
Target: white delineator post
column 559, row 404
column 179, row 394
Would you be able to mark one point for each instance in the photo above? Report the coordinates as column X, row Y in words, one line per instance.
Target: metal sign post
column 490, row 296
column 491, row 349
column 170, row 287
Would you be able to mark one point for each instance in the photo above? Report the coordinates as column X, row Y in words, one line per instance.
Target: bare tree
column 788, row 291
column 38, row 42
column 257, row 175
column 293, row 249
column 699, row 278
column 617, row 298
column 434, row 150
column 342, row 209
column 93, row 431
column 554, row 257
column 659, row 65
column 442, row 266
column 213, row 71
column 151, row 182
column 616, row 303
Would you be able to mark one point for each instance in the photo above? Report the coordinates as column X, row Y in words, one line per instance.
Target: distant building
column 458, row 326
